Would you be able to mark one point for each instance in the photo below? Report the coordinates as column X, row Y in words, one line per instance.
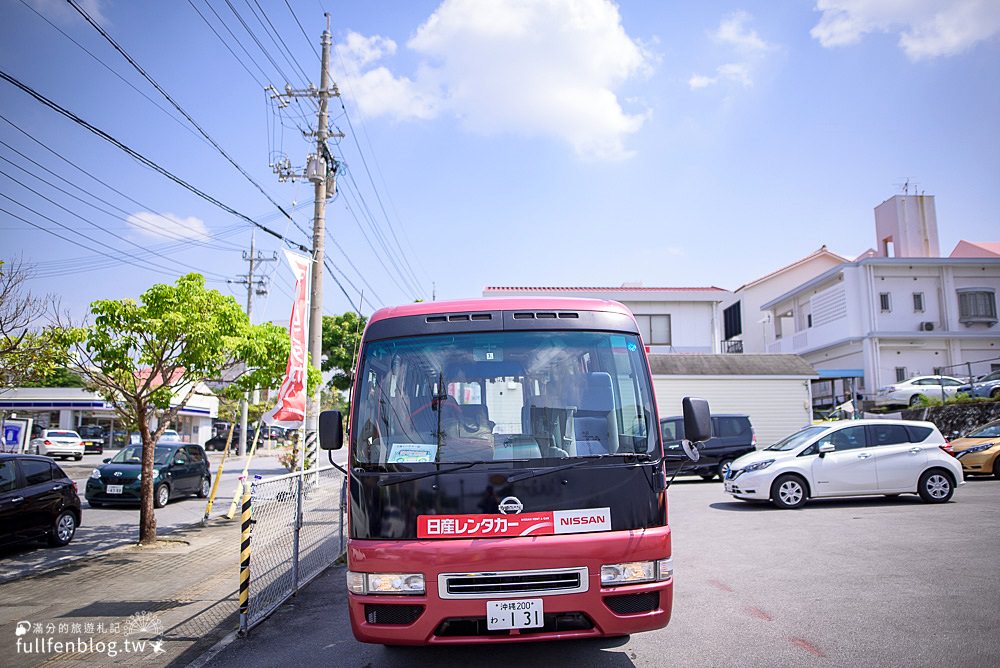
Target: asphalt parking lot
column 871, row 581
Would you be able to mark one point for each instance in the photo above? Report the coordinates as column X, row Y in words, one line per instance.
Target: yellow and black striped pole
column 245, row 562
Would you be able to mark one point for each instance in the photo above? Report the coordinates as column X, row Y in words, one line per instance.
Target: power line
column 109, row 68
column 304, row 34
column 226, row 44
column 176, row 105
column 378, row 197
column 86, row 220
column 77, row 167
column 143, row 159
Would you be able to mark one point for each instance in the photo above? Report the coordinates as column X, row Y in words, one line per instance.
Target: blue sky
column 555, row 142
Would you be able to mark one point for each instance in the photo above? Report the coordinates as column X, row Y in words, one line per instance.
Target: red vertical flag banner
column 290, row 410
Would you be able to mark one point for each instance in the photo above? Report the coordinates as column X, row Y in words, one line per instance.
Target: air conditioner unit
column 927, row 327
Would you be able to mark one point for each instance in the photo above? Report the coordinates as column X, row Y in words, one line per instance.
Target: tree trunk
column 147, row 516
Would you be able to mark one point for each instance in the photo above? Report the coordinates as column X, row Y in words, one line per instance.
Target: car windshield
column 133, row 455
column 63, row 434
column 505, row 396
column 797, row 439
column 991, row 430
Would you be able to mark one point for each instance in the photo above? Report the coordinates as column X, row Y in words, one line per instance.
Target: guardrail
column 296, row 530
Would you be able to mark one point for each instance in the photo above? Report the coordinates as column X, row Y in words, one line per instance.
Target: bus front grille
column 508, row 584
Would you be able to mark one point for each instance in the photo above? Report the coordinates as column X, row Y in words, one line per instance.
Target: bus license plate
column 114, row 489
column 522, row 613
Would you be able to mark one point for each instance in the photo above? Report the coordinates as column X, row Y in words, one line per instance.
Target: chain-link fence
column 297, row 530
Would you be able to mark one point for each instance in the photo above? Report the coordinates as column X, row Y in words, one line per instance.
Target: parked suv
column 37, row 500
column 732, row 436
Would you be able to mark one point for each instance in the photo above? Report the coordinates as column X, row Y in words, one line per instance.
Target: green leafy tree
column 28, row 353
column 58, row 377
column 341, row 337
column 149, row 358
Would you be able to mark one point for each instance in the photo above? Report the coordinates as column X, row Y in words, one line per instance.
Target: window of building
column 655, row 329
column 732, row 321
column 977, row 305
column 885, row 304
column 901, row 374
column 918, row 302
column 809, row 320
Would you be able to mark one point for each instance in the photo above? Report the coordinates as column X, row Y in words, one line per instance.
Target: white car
column 849, row 458
column 908, row 392
column 58, row 443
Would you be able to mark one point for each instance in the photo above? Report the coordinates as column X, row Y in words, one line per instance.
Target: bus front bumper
column 440, row 617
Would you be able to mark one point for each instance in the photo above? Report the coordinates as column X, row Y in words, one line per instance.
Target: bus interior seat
column 594, row 425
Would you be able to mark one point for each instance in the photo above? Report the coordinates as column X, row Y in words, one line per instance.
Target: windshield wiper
column 641, row 456
column 427, row 474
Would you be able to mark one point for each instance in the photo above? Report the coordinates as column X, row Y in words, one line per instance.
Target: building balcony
column 735, row 346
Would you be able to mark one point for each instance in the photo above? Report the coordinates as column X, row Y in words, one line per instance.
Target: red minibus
column 506, row 474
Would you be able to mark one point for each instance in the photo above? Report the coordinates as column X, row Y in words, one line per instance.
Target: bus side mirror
column 331, row 430
column 697, row 419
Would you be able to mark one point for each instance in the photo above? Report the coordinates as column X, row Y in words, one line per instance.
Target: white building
column 894, row 318
column 745, row 328
column 671, row 320
column 71, row 407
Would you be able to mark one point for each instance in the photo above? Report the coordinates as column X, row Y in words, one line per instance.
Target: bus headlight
column 636, row 572
column 385, row 583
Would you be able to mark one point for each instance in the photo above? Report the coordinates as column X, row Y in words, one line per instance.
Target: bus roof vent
column 524, row 316
column 459, row 317
column 436, row 318
column 482, row 316
column 569, row 315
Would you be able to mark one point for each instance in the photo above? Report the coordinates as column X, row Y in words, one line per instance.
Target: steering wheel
column 449, row 411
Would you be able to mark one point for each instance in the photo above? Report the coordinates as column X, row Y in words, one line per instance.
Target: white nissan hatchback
column 849, row 458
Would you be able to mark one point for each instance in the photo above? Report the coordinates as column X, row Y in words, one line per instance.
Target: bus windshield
column 502, row 396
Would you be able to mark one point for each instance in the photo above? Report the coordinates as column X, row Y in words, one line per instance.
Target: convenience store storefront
column 72, row 407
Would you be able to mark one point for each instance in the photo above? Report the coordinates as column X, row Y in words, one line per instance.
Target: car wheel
column 206, row 487
column 788, row 491
column 915, row 399
column 724, row 467
column 996, row 468
column 63, row 529
column 935, row 486
column 78, row 457
column 162, row 496
column 995, row 394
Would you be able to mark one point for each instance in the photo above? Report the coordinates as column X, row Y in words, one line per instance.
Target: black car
column 732, row 437
column 93, row 438
column 180, row 469
column 37, row 500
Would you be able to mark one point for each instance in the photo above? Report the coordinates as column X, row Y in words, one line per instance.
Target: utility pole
column 321, row 170
column 258, row 287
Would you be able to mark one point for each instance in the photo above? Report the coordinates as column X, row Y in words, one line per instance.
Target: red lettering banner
column 290, row 409
column 542, row 523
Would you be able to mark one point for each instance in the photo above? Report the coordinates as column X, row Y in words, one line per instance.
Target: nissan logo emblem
column 511, row 505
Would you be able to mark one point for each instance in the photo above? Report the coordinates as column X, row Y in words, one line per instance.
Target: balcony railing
column 732, row 346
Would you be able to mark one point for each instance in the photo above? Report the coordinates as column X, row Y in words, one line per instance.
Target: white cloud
column 542, row 68
column 168, row 226
column 747, row 45
column 926, row 28
column 62, row 10
column 732, row 30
